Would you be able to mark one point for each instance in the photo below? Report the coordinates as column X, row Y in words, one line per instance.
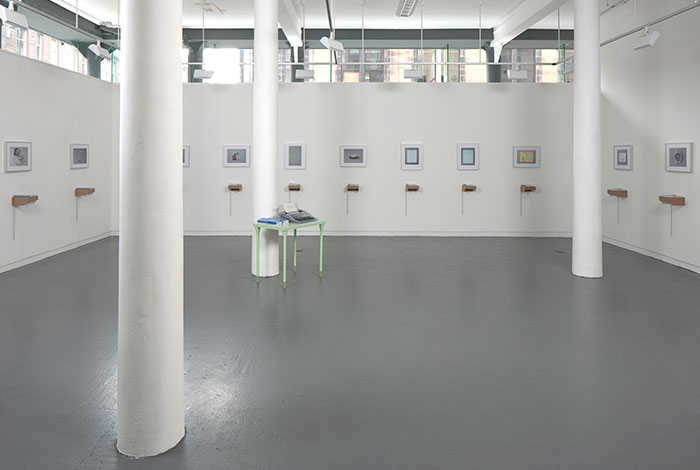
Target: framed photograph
column 679, row 157
column 622, row 155
column 467, row 156
column 186, row 156
column 526, row 157
column 79, row 156
column 295, row 155
column 353, row 155
column 236, row 155
column 411, row 156
column 18, row 156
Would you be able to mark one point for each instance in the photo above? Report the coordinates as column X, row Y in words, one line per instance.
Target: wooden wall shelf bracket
column 673, row 200
column 618, row 192
column 80, row 192
column 24, row 199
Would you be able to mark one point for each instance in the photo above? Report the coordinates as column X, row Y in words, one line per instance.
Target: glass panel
column 14, row 39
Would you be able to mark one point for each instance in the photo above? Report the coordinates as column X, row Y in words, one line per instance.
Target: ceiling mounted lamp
column 413, row 74
column 10, row 16
column 648, row 39
column 330, row 42
column 201, row 74
column 406, row 8
column 515, row 75
column 99, row 51
column 417, row 73
column 333, row 44
column 303, row 74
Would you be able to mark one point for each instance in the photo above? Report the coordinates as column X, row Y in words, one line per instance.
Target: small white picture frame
column 411, row 156
column 527, row 157
column 186, row 156
column 236, row 155
column 353, row 155
column 679, row 157
column 622, row 157
column 467, row 156
column 18, row 156
column 79, row 156
column 295, row 155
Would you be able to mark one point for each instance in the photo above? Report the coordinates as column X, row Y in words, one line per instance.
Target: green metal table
column 285, row 229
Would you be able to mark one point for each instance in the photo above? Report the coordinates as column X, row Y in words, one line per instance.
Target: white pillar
column 587, row 253
column 265, row 145
column 150, row 392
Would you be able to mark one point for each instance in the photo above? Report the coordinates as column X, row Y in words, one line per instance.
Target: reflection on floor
column 438, row 353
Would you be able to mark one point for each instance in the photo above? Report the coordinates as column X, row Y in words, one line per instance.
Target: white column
column 264, row 158
column 587, row 256
column 150, row 392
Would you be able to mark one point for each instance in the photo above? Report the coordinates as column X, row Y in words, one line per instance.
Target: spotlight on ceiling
column 10, row 16
column 333, row 44
column 303, row 74
column 99, row 51
column 201, row 74
column 413, row 74
column 515, row 75
column 648, row 39
column 406, row 8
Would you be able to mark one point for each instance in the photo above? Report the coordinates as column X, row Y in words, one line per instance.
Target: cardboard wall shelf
column 618, row 192
column 23, row 200
column 352, row 187
column 468, row 188
column 294, row 187
column 235, row 187
column 672, row 199
column 526, row 188
column 412, row 188
column 80, row 192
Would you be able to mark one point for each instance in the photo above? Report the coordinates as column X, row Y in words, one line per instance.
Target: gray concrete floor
column 411, row 353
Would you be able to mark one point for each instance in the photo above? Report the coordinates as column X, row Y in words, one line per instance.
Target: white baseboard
column 53, row 252
column 653, row 254
column 332, row 233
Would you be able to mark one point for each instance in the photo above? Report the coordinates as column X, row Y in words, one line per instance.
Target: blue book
column 271, row 220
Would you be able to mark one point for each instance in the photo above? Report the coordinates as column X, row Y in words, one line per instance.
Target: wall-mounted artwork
column 18, row 156
column 353, row 155
column 622, row 155
column 186, row 156
column 295, row 155
column 467, row 156
column 411, row 156
column 236, row 155
column 79, row 156
column 526, row 157
column 679, row 157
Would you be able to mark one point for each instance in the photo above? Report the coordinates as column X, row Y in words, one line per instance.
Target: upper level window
column 39, row 46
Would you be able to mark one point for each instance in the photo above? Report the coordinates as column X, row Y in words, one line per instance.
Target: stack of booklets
column 272, row 221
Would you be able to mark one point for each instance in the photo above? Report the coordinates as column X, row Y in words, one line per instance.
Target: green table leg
column 295, row 250
column 320, row 256
column 257, row 255
column 284, row 259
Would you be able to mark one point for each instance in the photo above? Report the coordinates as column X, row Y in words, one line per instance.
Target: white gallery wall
column 381, row 116
column 53, row 108
column 650, row 98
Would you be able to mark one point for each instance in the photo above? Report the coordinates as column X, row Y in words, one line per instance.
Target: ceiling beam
column 524, row 15
column 289, row 22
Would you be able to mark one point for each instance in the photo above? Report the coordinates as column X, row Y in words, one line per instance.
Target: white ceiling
column 379, row 14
